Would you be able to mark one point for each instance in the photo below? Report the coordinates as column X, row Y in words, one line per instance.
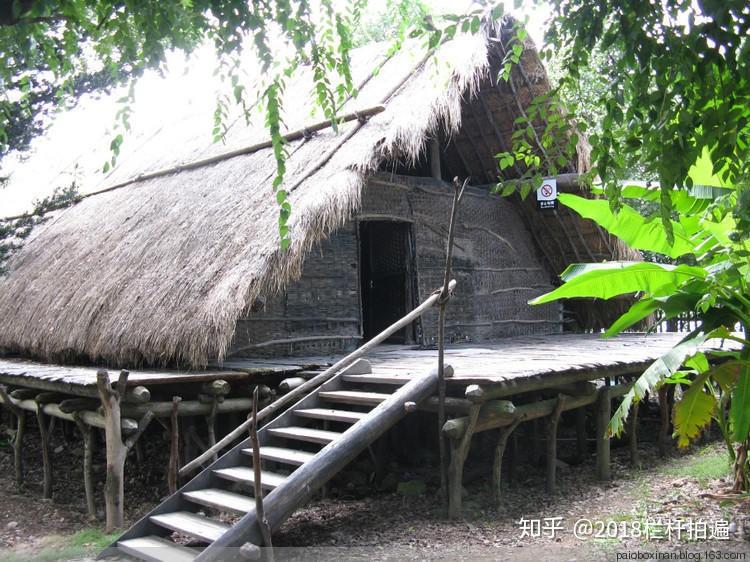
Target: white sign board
column 546, row 195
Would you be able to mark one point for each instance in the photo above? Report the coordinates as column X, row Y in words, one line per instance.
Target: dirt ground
column 404, row 519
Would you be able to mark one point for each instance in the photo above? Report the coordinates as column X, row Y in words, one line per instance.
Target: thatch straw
column 159, row 271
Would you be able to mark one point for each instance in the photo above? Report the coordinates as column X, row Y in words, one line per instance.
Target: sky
column 76, row 145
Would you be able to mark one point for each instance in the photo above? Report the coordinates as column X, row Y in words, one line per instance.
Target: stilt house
column 176, row 259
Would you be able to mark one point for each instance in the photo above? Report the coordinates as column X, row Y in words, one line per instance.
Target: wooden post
column 18, row 438
column 265, row 528
column 603, row 413
column 435, row 157
column 46, row 453
column 117, row 449
column 633, row 435
column 551, row 428
column 174, row 447
column 459, row 452
column 582, row 445
column 88, row 457
column 497, row 464
column 211, row 425
column 666, row 396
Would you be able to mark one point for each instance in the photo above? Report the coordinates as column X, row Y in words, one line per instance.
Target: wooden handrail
column 315, row 382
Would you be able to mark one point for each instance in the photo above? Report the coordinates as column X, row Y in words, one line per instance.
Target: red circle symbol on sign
column 547, row 190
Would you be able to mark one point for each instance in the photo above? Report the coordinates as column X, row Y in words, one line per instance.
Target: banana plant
column 708, row 242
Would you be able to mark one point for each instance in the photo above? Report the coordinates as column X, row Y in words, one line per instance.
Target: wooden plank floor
column 23, row 372
column 512, row 359
column 498, row 362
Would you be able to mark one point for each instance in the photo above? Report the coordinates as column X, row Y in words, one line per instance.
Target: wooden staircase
column 301, row 450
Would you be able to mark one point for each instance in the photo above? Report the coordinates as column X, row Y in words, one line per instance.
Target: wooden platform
column 508, row 362
column 82, row 380
column 511, row 361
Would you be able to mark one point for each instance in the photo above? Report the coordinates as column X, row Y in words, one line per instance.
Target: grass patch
column 708, row 464
column 86, row 542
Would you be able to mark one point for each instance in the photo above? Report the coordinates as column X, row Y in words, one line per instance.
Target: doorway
column 387, row 277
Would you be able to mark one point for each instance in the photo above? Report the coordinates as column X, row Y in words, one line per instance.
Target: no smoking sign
column 546, row 195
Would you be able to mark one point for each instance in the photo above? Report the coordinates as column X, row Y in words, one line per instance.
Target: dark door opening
column 387, row 276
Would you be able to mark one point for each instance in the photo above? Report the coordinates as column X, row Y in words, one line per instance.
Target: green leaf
column 610, row 279
column 727, row 374
column 693, row 412
column 637, row 312
column 654, row 376
column 631, row 227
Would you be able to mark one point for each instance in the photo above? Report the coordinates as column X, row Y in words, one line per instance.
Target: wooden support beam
column 117, row 448
column 551, row 430
column 558, row 380
column 88, row 457
column 582, row 445
column 211, row 424
column 666, row 397
column 491, row 414
column 497, row 463
column 603, row 414
column 218, row 387
column 18, row 438
column 46, row 453
column 452, row 405
column 290, row 384
column 633, row 435
column 174, row 448
column 459, row 452
column 72, row 405
column 535, row 410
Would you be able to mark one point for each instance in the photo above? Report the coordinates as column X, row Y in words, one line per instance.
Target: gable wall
column 495, row 267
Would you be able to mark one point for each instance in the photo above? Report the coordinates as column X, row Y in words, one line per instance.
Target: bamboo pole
column 445, row 295
column 302, row 390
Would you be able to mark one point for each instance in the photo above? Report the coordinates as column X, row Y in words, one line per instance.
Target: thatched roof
column 159, row 269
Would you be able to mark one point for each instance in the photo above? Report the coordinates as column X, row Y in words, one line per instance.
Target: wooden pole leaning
column 303, row 390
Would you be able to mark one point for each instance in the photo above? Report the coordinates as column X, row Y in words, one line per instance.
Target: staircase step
column 191, row 524
column 353, row 396
column 157, row 549
column 246, row 475
column 222, row 500
column 377, row 378
column 287, row 456
column 333, row 415
column 305, row 434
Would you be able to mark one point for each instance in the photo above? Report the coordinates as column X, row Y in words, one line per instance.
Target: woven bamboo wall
column 494, row 262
